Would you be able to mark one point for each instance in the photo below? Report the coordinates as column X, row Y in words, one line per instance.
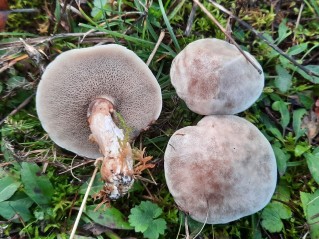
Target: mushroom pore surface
column 220, row 170
column 213, row 77
column 77, row 77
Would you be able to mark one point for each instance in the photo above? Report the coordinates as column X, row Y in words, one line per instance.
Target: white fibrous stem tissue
column 117, row 161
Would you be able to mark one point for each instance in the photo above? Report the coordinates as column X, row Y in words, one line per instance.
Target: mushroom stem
column 117, row 161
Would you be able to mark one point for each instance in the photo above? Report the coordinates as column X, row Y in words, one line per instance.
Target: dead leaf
column 311, row 123
column 3, row 13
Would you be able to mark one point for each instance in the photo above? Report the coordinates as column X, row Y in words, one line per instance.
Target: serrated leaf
column 282, row 159
column 297, row 121
column 155, row 228
column 272, row 216
column 143, row 219
column 37, row 186
column 284, row 80
column 313, row 165
column 284, row 112
column 8, row 186
column 310, row 205
column 110, row 217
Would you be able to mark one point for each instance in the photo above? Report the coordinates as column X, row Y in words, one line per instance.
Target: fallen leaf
column 311, row 123
column 3, row 13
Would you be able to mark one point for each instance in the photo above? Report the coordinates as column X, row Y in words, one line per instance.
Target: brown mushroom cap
column 213, row 77
column 223, row 169
column 77, row 77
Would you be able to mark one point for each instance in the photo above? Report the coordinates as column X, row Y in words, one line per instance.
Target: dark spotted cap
column 220, row 170
column 213, row 77
column 78, row 76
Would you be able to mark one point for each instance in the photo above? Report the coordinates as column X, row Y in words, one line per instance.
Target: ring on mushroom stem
column 213, row 77
column 220, row 170
column 81, row 95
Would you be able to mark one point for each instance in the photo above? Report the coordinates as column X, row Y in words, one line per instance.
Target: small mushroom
column 213, row 77
column 79, row 96
column 220, row 170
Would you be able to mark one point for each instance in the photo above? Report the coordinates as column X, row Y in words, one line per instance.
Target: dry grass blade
column 258, row 34
column 202, row 7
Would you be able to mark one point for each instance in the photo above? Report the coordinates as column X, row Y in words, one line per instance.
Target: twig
column 23, row 104
column 77, row 166
column 160, row 39
column 298, row 20
column 83, row 203
column 226, row 33
column 261, row 36
column 190, row 20
column 26, row 10
column 41, row 40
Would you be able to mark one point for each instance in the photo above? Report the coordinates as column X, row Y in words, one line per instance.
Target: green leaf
column 8, row 186
column 37, row 186
column 300, row 150
column 283, row 80
column 100, row 6
column 155, row 228
column 110, row 217
column 296, row 123
column 283, row 32
column 18, row 204
column 96, row 187
column 310, row 205
column 297, row 49
column 272, row 216
column 313, row 164
column 143, row 219
column 282, row 159
column 284, row 112
column 314, row 68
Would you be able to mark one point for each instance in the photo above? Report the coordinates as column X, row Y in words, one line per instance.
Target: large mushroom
column 213, row 77
column 220, row 170
column 79, row 96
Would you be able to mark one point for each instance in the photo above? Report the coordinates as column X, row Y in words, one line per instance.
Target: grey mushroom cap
column 213, row 77
column 78, row 76
column 220, row 170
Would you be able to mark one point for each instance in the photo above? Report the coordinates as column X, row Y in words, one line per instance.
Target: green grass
column 288, row 97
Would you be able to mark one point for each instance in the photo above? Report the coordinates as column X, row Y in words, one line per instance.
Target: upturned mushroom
column 79, row 96
column 213, row 77
column 220, row 170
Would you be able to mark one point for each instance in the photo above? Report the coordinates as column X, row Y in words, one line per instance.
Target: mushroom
column 79, row 96
column 220, row 170
column 213, row 77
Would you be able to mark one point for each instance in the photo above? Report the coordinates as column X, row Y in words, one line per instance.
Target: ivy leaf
column 37, row 186
column 143, row 219
column 273, row 215
column 310, row 205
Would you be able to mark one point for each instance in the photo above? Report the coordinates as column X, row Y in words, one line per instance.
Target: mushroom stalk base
column 117, row 161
